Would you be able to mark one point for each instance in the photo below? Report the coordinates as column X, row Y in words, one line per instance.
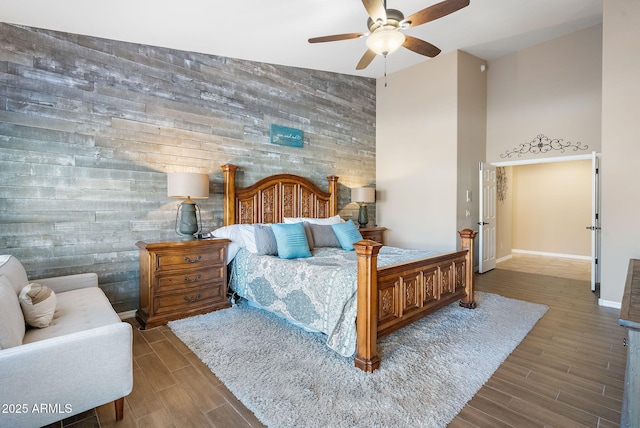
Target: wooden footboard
column 391, row 297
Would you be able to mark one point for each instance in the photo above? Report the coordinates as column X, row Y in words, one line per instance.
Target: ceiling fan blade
column 376, row 10
column 420, row 46
column 436, row 11
column 366, row 59
column 335, row 38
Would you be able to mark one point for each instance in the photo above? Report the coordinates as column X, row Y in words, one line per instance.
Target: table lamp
column 188, row 185
column 363, row 196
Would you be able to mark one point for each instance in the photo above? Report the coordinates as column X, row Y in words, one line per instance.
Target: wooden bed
column 388, row 298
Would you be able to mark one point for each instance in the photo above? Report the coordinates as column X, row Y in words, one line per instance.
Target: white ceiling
column 277, row 31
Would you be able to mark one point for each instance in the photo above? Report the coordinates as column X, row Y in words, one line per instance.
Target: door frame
column 595, row 254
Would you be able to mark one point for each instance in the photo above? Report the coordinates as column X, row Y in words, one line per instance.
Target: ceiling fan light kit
column 384, row 25
column 385, row 41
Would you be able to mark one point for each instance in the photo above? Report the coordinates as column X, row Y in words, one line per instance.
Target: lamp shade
column 385, row 41
column 187, row 185
column 363, row 194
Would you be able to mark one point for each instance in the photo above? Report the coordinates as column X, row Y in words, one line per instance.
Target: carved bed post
column 333, row 189
column 229, row 190
column 367, row 314
column 467, row 236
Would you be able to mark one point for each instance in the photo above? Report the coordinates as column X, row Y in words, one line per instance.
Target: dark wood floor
column 568, row 372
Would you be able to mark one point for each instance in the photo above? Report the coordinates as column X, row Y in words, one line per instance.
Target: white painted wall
column 553, row 88
column 620, row 144
column 472, row 136
column 416, row 154
column 431, row 128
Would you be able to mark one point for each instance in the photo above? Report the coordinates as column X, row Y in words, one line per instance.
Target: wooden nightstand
column 179, row 279
column 374, row 233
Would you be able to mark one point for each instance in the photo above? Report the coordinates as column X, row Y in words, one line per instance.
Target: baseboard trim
column 609, row 304
column 127, row 314
column 504, row 259
column 560, row 255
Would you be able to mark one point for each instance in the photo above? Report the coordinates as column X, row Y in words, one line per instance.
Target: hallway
column 551, row 266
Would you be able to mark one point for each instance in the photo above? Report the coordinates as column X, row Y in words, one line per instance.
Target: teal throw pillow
column 347, row 233
column 291, row 240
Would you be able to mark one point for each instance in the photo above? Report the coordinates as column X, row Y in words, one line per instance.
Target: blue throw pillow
column 347, row 233
column 291, row 240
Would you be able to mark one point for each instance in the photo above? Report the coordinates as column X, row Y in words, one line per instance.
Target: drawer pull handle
column 197, row 259
column 195, row 299
column 186, row 278
column 625, row 342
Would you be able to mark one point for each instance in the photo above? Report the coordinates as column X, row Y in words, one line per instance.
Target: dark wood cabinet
column 179, row 279
column 630, row 318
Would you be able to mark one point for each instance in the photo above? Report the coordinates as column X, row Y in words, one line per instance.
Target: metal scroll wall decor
column 543, row 144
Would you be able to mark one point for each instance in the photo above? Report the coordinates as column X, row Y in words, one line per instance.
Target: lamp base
column 188, row 220
column 363, row 215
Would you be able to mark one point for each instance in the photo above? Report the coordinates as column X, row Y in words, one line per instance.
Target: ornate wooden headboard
column 271, row 199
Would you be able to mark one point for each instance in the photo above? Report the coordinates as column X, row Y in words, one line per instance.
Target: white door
column 595, row 222
column 487, row 223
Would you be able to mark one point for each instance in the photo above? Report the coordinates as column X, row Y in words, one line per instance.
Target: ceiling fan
column 385, row 25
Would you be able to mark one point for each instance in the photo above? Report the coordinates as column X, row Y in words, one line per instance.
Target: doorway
column 542, row 213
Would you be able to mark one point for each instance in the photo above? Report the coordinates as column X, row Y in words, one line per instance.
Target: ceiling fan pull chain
column 385, row 71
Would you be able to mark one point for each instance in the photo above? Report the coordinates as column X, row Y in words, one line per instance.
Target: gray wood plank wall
column 90, row 127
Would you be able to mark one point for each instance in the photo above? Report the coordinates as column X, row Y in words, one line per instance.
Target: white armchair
column 81, row 361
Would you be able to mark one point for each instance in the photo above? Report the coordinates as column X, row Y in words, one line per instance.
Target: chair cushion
column 13, row 272
column 11, row 319
column 76, row 310
column 38, row 303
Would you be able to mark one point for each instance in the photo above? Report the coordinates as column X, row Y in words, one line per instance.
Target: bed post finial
column 367, row 358
column 229, row 192
column 467, row 236
column 333, row 189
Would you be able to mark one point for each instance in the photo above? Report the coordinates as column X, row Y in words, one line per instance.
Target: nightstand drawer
column 188, row 279
column 180, row 279
column 374, row 236
column 189, row 299
column 193, row 259
column 373, row 233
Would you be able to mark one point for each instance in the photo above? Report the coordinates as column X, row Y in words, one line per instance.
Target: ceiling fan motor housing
column 394, row 18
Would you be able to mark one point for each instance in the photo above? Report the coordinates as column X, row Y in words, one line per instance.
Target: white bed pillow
column 329, row 220
column 249, row 238
column 233, row 233
column 38, row 303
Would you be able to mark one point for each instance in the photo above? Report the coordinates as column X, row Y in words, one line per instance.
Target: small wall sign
column 285, row 136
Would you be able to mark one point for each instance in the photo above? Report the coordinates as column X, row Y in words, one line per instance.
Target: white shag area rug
column 429, row 370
